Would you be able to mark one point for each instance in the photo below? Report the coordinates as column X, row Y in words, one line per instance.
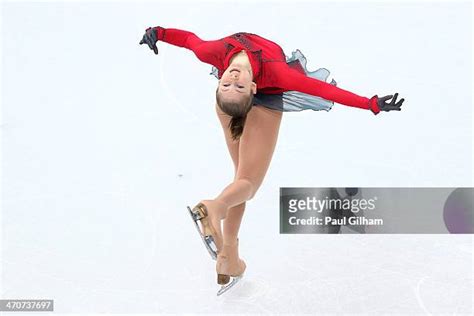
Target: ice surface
column 104, row 145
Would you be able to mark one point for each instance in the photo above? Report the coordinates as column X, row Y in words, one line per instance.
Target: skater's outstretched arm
column 291, row 79
column 210, row 52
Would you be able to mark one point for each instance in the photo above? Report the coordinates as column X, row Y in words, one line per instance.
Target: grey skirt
column 293, row 101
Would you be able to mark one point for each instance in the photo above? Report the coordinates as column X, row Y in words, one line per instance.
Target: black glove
column 150, row 38
column 385, row 106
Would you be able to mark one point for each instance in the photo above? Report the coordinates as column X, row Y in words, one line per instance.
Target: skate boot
column 228, row 266
column 209, row 234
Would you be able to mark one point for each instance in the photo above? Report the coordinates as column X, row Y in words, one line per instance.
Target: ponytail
column 238, row 111
column 236, row 126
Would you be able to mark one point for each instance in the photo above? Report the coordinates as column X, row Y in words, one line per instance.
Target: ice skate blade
column 233, row 282
column 208, row 241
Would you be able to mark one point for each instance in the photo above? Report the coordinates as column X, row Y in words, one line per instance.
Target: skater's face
column 236, row 83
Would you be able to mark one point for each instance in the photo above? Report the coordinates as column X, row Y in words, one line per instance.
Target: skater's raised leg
column 256, row 147
column 235, row 194
column 232, row 223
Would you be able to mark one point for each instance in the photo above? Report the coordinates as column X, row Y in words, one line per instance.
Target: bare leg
column 256, row 148
column 231, row 223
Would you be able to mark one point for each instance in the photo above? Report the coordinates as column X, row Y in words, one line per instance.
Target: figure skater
column 257, row 82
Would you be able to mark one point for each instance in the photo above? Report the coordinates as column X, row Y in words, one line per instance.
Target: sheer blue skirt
column 293, row 101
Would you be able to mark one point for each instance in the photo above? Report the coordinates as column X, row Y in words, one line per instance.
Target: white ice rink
column 104, row 145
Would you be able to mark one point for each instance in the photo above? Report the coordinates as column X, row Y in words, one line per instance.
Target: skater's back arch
column 270, row 74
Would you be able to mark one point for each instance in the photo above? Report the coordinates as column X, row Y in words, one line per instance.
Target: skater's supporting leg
column 229, row 264
column 232, row 222
column 256, row 147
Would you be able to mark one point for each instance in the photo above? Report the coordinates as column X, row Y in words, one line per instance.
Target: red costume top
column 271, row 73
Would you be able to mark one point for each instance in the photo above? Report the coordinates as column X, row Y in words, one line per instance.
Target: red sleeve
column 210, row 52
column 290, row 79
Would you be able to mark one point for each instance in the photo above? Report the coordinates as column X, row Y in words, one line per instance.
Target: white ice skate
column 199, row 214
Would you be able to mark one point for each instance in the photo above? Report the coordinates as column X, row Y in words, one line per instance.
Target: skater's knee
column 251, row 185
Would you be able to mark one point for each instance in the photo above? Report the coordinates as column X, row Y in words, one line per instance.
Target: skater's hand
column 392, row 106
column 150, row 38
